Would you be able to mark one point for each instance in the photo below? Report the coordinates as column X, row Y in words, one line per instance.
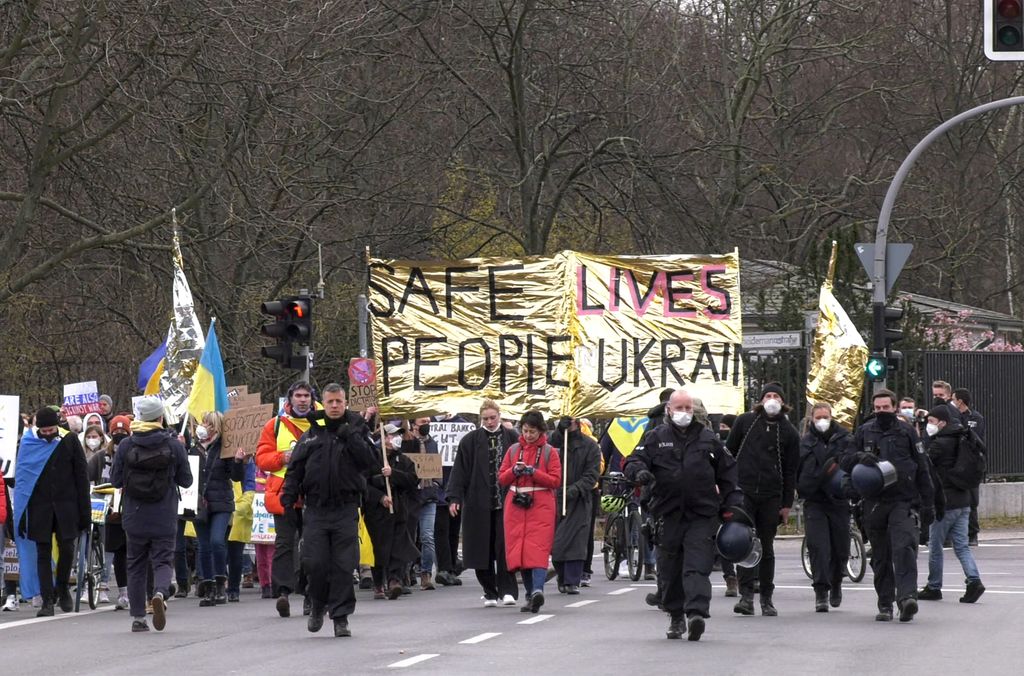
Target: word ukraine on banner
column 568, row 334
column 81, row 398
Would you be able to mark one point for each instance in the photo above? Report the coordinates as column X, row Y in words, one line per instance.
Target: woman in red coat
column 532, row 472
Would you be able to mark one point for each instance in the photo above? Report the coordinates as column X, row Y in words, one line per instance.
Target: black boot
column 745, row 606
column 64, row 599
column 46, row 610
column 884, row 614
column 316, row 618
column 205, row 592
column 820, row 601
column 341, row 629
column 767, row 607
column 220, row 596
column 835, row 594
column 695, row 627
column 676, row 628
column 974, row 591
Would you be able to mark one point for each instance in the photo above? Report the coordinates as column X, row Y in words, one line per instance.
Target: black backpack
column 969, row 468
column 147, row 472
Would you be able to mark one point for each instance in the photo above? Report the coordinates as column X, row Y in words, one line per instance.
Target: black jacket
column 60, row 501
column 899, row 445
column 216, row 493
column 767, row 451
column 655, row 417
column 817, row 452
column 693, row 474
column 404, row 483
column 942, row 449
column 327, row 465
column 974, row 420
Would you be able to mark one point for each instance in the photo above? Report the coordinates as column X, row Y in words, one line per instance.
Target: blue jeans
column 954, row 524
column 213, row 545
column 533, row 579
column 428, row 513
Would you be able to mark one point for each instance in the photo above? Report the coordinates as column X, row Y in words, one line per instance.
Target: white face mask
column 823, row 424
column 202, row 433
column 907, row 412
column 931, row 429
column 93, row 443
column 772, row 406
column 396, row 441
column 682, row 418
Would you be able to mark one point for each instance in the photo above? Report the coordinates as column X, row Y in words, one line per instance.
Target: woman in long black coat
column 572, row 530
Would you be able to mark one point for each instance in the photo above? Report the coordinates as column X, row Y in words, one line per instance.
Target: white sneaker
column 490, row 603
column 122, row 602
column 508, row 600
column 104, row 597
column 37, row 601
column 11, row 604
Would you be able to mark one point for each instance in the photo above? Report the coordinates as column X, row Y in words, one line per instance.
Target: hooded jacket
column 942, row 449
column 767, row 450
column 152, row 519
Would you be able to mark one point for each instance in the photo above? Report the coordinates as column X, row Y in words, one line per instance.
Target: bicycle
column 91, row 557
column 623, row 536
column 856, row 564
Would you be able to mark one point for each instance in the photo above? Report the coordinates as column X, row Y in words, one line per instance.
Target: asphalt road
column 606, row 629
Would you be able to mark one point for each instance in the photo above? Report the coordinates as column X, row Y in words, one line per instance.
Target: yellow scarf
column 139, row 426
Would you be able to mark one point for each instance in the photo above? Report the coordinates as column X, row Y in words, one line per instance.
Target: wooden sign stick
column 384, row 454
column 565, row 469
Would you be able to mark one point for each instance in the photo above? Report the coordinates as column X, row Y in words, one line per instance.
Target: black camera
column 524, row 500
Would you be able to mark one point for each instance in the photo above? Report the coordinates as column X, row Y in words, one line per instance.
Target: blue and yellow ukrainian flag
column 151, row 370
column 209, row 387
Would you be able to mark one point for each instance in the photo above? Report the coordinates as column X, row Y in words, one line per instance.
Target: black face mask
column 425, row 429
column 938, row 401
column 49, row 437
column 886, row 420
column 118, row 438
column 723, row 435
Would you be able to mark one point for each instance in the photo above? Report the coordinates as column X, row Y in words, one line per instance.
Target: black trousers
column 588, row 563
column 44, row 565
column 893, row 530
column 330, row 553
column 828, row 543
column 765, row 513
column 287, row 574
column 686, row 554
column 446, row 539
column 495, row 579
column 972, row 521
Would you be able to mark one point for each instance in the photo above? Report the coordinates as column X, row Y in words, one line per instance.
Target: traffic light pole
column 878, row 281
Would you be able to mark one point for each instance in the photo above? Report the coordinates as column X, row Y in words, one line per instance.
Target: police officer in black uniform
column 895, row 516
column 326, row 473
column 694, row 478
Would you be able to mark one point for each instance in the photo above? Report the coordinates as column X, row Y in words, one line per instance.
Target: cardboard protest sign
column 362, row 384
column 572, row 333
column 8, row 433
column 448, row 435
column 237, row 391
column 246, row 400
column 428, row 465
column 262, row 521
column 10, row 561
column 190, row 496
column 81, row 398
column 242, row 428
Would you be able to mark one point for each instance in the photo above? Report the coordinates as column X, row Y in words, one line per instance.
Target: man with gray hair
column 149, row 467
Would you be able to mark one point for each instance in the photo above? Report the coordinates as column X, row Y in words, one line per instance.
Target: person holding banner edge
column 474, row 492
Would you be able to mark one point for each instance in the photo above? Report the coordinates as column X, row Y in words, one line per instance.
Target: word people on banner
column 81, row 398
column 262, row 521
column 8, row 433
column 448, row 435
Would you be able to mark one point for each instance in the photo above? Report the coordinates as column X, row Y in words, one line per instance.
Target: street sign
column 773, row 340
column 896, row 256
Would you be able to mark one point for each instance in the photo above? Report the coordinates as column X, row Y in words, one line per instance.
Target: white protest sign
column 8, row 433
column 448, row 435
column 81, row 398
column 262, row 522
column 190, row 496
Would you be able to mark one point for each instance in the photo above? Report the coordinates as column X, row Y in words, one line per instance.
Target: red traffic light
column 1009, row 9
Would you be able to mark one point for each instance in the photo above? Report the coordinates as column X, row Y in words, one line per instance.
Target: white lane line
column 480, row 638
column 62, row 616
column 413, row 660
column 535, row 619
column 624, row 590
column 580, row 604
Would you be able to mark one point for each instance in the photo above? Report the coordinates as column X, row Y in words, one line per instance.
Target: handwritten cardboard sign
column 237, row 391
column 428, row 465
column 242, row 428
column 81, row 398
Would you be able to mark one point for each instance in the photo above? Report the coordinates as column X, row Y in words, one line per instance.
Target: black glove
column 564, row 423
column 572, row 492
column 343, row 430
column 866, row 458
column 927, row 516
column 644, row 477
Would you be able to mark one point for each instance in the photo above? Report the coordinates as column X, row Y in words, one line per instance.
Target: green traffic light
column 875, row 367
column 1008, row 36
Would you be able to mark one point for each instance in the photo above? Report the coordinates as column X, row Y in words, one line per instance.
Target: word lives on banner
column 569, row 334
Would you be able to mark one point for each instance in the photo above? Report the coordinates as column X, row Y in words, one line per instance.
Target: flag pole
column 387, row 480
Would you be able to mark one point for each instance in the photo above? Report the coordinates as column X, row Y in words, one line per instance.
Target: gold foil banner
column 573, row 333
column 838, row 357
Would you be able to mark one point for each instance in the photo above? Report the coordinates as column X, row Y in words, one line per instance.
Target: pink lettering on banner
column 583, row 309
column 642, row 302
column 724, row 308
column 675, row 294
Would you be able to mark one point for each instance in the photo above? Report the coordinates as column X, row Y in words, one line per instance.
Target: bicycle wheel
column 612, row 556
column 634, row 555
column 856, row 565
column 95, row 571
column 805, row 558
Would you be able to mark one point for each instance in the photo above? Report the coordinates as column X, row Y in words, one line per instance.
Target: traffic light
column 292, row 326
column 893, row 334
column 1004, row 30
column 876, row 367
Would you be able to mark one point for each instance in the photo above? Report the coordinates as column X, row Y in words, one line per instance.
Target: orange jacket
column 270, row 454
